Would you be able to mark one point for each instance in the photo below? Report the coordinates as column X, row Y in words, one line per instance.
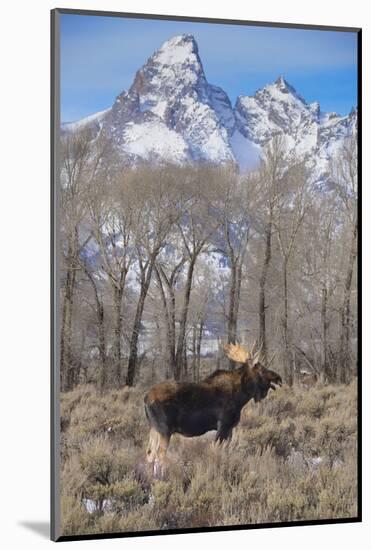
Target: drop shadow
column 42, row 528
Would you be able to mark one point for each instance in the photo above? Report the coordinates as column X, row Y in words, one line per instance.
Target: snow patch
column 79, row 124
column 246, row 152
column 154, row 139
column 177, row 50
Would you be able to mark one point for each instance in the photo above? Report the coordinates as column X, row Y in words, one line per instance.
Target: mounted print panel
column 205, row 352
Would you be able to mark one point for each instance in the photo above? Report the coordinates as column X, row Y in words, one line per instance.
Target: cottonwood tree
column 324, row 251
column 199, row 314
column 196, row 226
column 111, row 220
column 238, row 202
column 99, row 311
column 168, row 271
column 270, row 175
column 81, row 161
column 141, row 248
column 292, row 206
column 345, row 178
column 156, row 199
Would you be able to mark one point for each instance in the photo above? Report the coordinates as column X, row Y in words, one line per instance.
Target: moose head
column 257, row 377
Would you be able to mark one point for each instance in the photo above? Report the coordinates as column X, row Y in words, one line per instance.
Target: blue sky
column 100, row 56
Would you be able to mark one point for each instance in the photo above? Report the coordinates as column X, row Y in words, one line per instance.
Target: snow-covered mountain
column 172, row 113
column 309, row 134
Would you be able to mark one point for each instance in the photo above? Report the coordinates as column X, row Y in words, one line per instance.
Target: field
column 292, row 457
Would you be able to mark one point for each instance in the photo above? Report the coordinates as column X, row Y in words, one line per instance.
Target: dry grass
column 293, row 457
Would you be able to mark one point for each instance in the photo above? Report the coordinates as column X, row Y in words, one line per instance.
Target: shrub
column 292, row 457
column 74, row 517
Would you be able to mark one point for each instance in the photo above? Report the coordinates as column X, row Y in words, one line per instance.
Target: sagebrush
column 293, row 457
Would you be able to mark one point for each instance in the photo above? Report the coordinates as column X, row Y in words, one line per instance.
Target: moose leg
column 153, row 445
column 224, row 433
column 164, row 441
column 156, row 451
column 160, row 460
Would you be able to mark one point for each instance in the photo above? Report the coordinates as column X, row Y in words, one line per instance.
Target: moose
column 192, row 409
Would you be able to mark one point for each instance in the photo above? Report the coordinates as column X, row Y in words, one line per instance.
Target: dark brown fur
column 192, row 409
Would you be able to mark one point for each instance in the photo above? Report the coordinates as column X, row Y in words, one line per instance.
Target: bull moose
column 215, row 403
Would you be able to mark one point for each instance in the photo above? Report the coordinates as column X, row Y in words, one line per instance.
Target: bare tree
column 199, row 318
column 272, row 168
column 196, row 227
column 237, row 205
column 158, row 259
column 167, row 278
column 81, row 161
column 345, row 175
column 111, row 217
column 156, row 198
column 326, row 231
column 291, row 210
column 98, row 308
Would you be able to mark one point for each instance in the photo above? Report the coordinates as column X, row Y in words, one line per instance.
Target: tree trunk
column 133, row 352
column 345, row 312
column 179, row 357
column 102, row 347
column 325, row 325
column 117, row 302
column 101, row 332
column 285, row 323
column 66, row 361
column 185, row 362
column 232, row 321
column 263, row 280
column 198, row 351
column 238, row 293
column 232, row 305
column 168, row 305
column 194, row 352
column 64, row 344
column 172, row 342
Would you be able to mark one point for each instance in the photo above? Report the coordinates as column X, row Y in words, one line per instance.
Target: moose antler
column 257, row 355
column 237, row 353
column 253, row 349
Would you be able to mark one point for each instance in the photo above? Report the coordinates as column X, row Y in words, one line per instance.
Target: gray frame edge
column 195, row 19
column 54, row 281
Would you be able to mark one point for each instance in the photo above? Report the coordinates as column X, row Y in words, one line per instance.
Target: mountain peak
column 284, row 86
column 281, row 82
column 178, row 49
column 171, row 112
column 180, row 40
